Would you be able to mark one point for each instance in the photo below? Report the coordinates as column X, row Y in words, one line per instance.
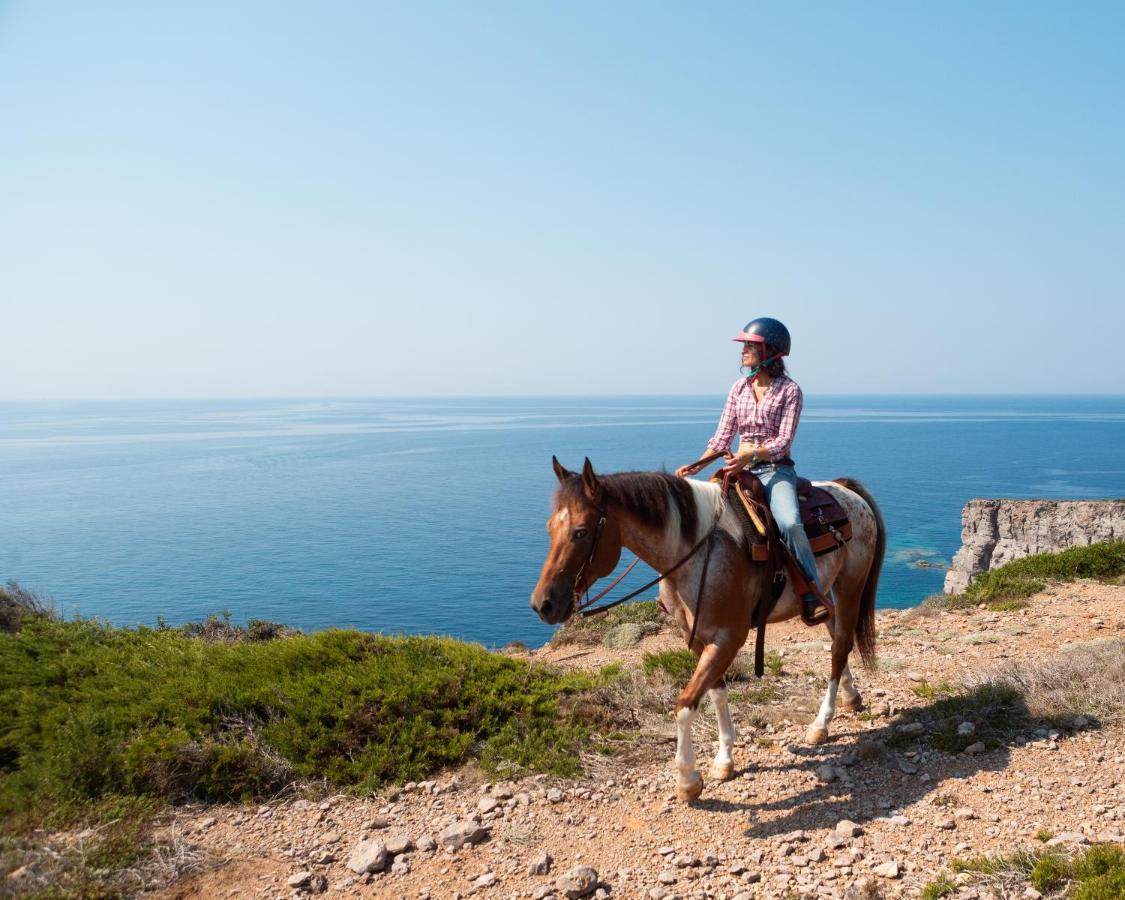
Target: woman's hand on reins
column 689, row 469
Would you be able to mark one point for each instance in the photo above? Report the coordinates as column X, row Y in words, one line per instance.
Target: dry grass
column 1087, row 680
column 114, row 859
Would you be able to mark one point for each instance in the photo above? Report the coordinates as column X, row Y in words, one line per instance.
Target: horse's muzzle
column 553, row 605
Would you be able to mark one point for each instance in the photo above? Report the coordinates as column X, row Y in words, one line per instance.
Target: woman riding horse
column 764, row 408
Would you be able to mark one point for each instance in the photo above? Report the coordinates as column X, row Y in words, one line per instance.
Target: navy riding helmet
column 767, row 331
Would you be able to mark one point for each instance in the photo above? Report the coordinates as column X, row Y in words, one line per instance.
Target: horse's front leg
column 713, row 663
column 722, row 768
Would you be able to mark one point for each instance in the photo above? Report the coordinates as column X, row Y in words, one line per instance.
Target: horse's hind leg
column 850, row 698
column 713, row 663
column 722, row 767
column 842, row 629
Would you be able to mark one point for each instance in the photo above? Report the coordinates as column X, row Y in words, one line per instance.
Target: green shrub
column 678, row 665
column 943, row 886
column 93, row 712
column 591, row 630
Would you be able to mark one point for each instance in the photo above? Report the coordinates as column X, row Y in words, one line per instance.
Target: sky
column 254, row 199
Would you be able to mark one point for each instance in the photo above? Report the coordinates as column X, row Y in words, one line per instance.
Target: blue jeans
column 780, row 483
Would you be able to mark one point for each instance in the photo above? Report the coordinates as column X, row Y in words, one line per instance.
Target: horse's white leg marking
column 818, row 730
column 723, row 766
column 689, row 783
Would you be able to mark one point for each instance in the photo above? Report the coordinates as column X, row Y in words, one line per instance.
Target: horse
column 665, row 520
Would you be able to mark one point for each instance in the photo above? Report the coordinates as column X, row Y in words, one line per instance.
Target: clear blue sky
column 273, row 199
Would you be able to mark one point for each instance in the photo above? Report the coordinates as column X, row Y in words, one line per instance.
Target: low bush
column 591, row 630
column 92, row 711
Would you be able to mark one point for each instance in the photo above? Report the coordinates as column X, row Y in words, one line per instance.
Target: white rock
column 578, row 882
column 554, row 795
column 399, row 843
column 486, row 880
column 487, row 804
column 887, row 870
column 972, row 749
column 368, row 856
column 299, row 879
column 848, row 829
column 540, row 864
column 467, row 831
column 966, row 728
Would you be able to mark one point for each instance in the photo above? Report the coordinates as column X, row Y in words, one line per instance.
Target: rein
column 583, row 606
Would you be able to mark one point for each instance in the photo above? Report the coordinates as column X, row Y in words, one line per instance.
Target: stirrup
column 813, row 612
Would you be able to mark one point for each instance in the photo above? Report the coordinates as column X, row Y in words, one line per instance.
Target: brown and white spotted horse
column 661, row 518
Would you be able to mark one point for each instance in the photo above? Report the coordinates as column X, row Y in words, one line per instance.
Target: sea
column 427, row 516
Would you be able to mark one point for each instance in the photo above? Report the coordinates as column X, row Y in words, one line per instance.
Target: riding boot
column 813, row 612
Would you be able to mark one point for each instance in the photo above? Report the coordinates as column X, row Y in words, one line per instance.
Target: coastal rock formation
column 994, row 532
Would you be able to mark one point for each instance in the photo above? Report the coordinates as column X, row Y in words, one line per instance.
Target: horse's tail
column 865, row 624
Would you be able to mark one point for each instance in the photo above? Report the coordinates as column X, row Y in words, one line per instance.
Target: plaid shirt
column 772, row 422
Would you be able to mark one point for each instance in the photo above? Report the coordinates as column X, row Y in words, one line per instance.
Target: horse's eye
column 578, row 534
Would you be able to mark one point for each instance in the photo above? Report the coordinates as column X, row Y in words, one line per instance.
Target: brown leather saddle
column 826, row 524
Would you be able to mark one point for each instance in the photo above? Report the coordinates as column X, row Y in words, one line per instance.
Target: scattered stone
column 848, row 829
column 1068, row 837
column 540, row 864
column 554, row 795
column 966, row 728
column 398, row 844
column 907, row 767
column 543, row 892
column 578, row 882
column 487, row 804
column 945, row 823
column 1032, row 894
column 503, row 791
column 887, row 870
column 426, row 844
column 401, row 866
column 825, row 773
column 299, row 879
column 817, row 855
column 368, row 856
column 901, row 821
column 209, row 822
column 482, row 881
column 667, row 877
column 964, row 813
column 973, row 749
column 911, row 728
column 467, row 831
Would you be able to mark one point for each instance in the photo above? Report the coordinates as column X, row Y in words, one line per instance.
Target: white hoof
column 816, row 734
column 686, row 793
column 722, row 771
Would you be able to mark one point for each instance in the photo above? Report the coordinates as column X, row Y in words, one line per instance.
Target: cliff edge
column 997, row 531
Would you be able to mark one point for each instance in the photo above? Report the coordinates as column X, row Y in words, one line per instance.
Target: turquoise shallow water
column 427, row 515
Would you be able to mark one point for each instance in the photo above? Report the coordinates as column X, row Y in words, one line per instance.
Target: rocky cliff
column 994, row 532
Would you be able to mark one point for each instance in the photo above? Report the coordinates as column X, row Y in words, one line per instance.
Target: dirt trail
column 773, row 830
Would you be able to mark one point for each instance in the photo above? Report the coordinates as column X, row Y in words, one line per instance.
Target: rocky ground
column 862, row 816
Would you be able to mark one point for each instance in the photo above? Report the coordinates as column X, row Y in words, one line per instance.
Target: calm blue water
column 428, row 515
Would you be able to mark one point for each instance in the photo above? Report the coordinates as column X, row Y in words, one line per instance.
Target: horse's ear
column 562, row 473
column 590, row 481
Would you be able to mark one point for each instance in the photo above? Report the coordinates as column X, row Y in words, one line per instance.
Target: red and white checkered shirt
column 772, row 422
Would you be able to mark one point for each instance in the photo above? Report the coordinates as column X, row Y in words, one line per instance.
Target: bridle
column 580, row 588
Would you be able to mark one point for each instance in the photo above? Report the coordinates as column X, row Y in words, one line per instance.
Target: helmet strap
column 755, row 371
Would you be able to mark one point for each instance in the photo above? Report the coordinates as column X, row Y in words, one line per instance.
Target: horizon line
column 542, row 396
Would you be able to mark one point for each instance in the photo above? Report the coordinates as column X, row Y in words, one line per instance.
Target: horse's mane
column 650, row 496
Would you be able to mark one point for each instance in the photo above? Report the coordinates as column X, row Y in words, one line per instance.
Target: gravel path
column 871, row 813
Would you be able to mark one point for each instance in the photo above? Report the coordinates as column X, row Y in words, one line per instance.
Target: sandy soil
column 771, row 831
